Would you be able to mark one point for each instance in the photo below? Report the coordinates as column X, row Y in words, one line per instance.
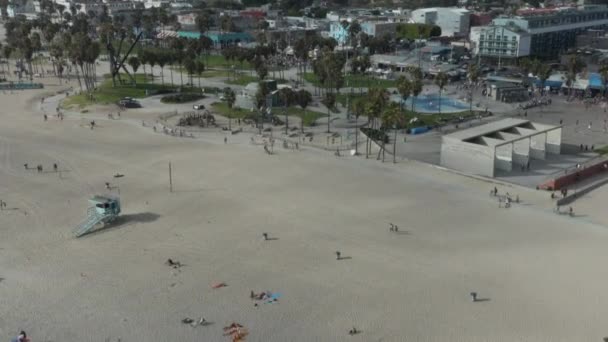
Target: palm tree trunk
column 356, row 135
column 328, row 117
column 78, row 77
column 181, row 76
column 395, row 147
column 171, row 69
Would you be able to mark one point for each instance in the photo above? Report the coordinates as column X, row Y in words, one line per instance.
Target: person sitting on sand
column 353, row 331
column 174, row 264
column 22, row 337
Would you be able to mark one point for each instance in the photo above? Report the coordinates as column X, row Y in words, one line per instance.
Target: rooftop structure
column 453, row 21
column 499, row 145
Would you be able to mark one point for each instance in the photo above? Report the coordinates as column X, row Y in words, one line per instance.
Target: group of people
column 40, row 168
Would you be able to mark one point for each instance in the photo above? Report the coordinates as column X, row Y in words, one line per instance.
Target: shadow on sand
column 123, row 221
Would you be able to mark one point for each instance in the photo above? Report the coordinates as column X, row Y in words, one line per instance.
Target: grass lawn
column 307, row 116
column 355, row 81
column 435, row 119
column 214, row 61
column 107, row 94
column 343, row 97
column 602, row 150
column 234, row 113
column 242, row 79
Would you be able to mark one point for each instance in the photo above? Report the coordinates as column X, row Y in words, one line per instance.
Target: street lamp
column 117, row 177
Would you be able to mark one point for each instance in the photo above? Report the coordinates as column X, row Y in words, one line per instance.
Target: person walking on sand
column 473, row 296
column 25, row 166
column 225, row 140
column 55, row 167
column 338, row 255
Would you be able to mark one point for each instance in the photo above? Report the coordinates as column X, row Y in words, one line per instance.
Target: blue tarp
column 419, row 130
column 595, row 81
column 549, row 83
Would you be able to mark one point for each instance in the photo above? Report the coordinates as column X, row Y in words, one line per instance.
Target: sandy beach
column 537, row 273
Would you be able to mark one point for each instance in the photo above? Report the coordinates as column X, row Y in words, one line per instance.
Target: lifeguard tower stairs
column 103, row 210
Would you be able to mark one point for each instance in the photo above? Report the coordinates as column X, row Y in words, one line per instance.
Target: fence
column 20, row 86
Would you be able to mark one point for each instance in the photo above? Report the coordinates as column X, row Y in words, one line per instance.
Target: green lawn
column 435, row 119
column 106, row 93
column 343, row 97
column 242, row 79
column 214, row 61
column 234, row 113
column 307, row 116
column 356, row 81
column 602, row 150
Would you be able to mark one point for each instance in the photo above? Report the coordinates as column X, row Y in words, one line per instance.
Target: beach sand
column 539, row 274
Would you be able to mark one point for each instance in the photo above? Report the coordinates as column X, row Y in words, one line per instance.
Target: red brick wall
column 569, row 179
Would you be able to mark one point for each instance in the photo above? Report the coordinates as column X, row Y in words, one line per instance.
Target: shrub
column 376, row 135
column 181, row 98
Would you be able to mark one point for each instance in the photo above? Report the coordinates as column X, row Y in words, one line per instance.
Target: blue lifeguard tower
column 103, row 210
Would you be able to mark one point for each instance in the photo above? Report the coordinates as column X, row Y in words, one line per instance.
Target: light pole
column 117, row 177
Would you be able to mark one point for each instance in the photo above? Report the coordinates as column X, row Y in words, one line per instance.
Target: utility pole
column 170, row 179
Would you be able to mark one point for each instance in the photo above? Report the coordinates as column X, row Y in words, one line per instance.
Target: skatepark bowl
column 429, row 104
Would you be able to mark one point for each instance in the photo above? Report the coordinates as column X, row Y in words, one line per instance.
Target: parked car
column 130, row 103
column 198, row 106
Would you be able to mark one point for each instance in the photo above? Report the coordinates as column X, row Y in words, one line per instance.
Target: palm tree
column 377, row 101
column 287, row 97
column 162, row 58
column 473, row 75
column 404, row 87
column 392, row 118
column 604, row 74
column 543, row 72
column 7, row 51
column 416, row 83
column 304, row 98
column 229, row 98
column 441, row 80
column 190, row 66
column 143, row 59
column 200, row 68
column 134, row 64
column 575, row 65
column 359, row 108
column 329, row 100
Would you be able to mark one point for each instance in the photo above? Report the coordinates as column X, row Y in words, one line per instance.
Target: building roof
column 492, row 131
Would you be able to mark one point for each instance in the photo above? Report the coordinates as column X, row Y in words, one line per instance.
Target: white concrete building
column 500, row 41
column 453, row 21
column 539, row 32
column 499, row 145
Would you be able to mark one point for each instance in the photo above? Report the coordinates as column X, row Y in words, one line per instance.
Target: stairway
column 91, row 221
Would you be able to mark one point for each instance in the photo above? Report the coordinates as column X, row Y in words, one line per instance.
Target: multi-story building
column 500, row 41
column 453, row 21
column 549, row 31
column 378, row 28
